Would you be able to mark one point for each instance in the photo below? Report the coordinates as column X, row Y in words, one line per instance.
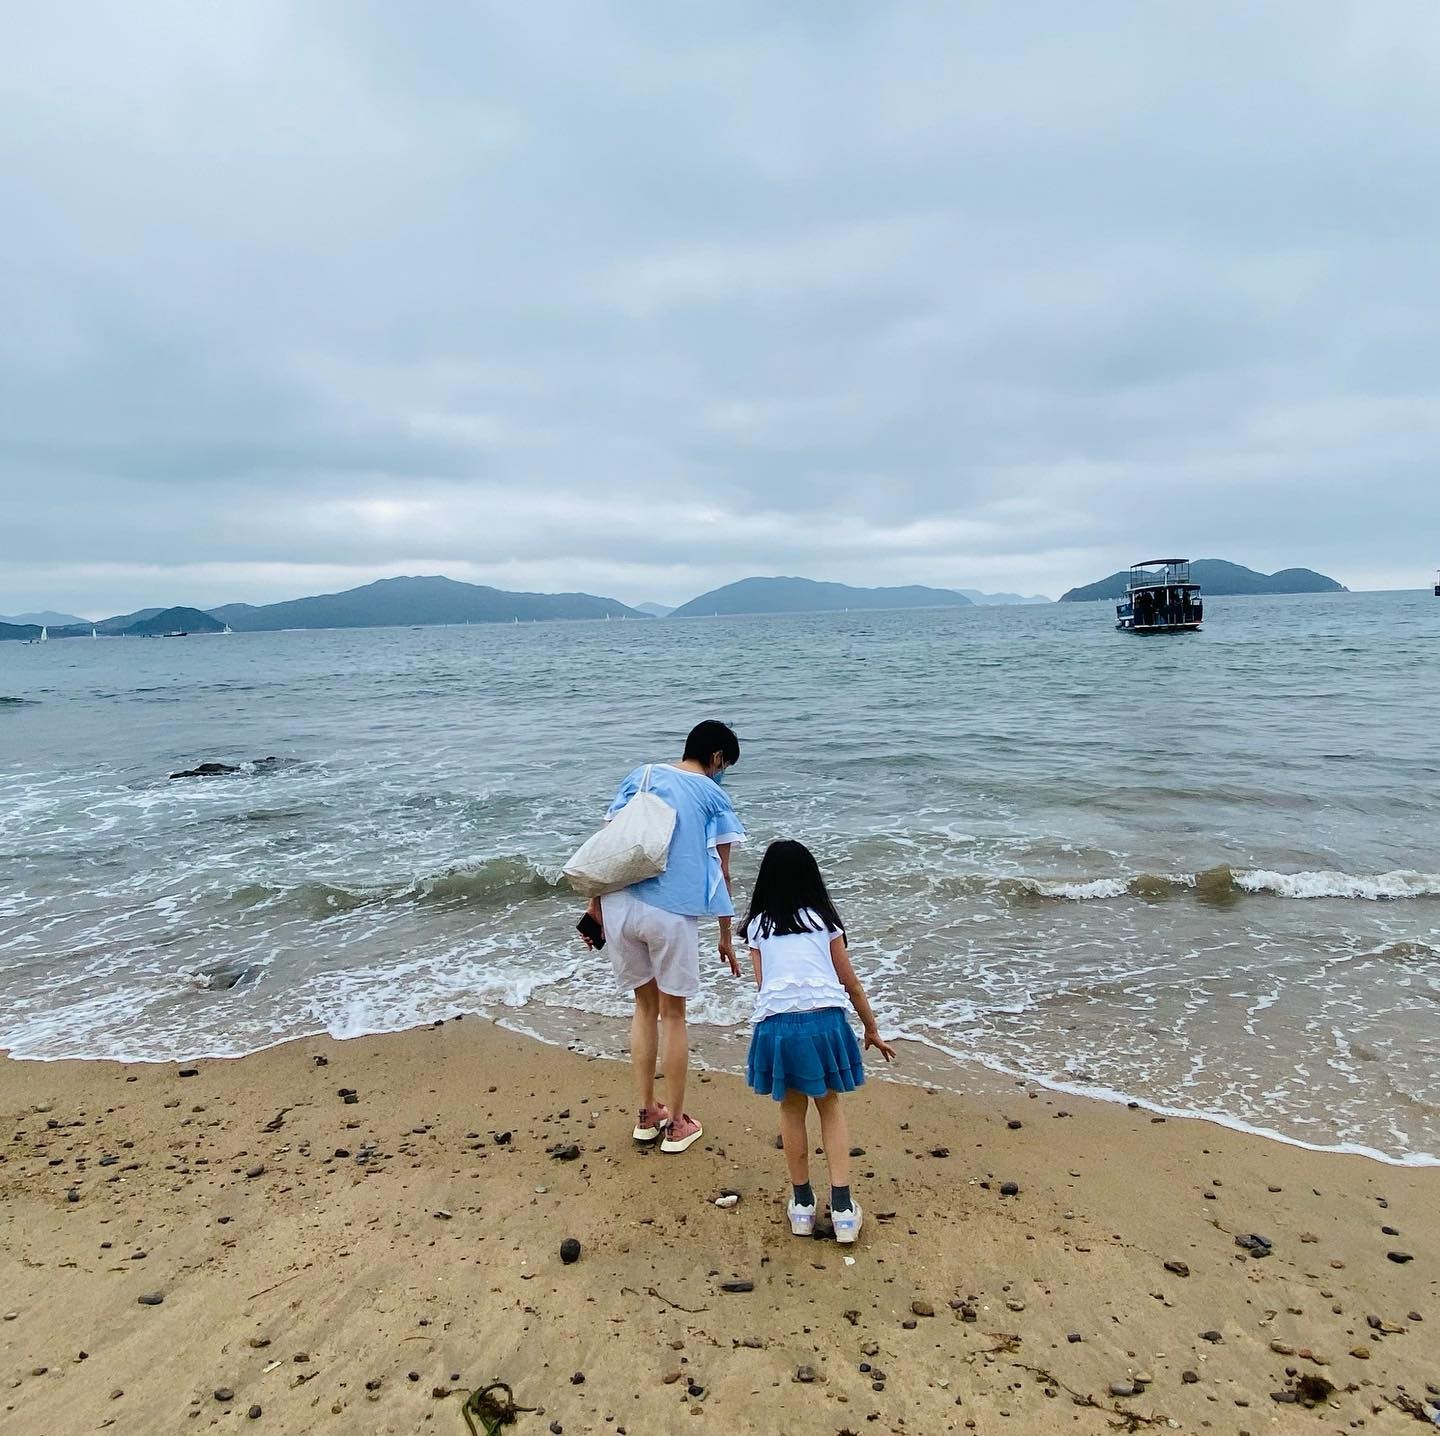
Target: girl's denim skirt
column 809, row 1052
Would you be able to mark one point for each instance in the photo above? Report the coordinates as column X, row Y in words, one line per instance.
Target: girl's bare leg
column 835, row 1133
column 793, row 1108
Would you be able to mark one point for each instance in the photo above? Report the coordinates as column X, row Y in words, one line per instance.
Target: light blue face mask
column 720, row 776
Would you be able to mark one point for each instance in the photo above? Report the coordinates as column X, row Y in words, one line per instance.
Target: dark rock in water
column 1400, row 1258
column 224, row 978
column 569, row 1251
column 207, row 770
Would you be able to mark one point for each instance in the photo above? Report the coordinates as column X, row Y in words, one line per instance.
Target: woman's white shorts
column 647, row 942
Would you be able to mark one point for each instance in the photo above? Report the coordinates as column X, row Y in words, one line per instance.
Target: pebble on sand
column 1009, row 1189
column 151, row 1298
column 570, row 1251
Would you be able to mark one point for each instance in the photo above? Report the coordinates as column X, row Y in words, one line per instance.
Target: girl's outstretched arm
column 846, row 973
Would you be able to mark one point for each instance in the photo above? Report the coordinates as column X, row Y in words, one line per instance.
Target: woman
column 652, row 928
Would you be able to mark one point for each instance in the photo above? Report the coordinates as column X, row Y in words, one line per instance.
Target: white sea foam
column 1377, row 888
column 1080, row 891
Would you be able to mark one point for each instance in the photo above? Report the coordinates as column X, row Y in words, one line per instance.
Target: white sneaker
column 802, row 1219
column 847, row 1224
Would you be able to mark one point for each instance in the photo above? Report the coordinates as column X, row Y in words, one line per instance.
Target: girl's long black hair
column 787, row 888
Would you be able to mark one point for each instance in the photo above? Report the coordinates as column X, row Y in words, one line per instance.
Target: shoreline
column 949, row 1075
column 417, row 1229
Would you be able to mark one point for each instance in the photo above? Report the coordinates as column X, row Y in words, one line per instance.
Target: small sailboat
column 93, row 634
column 44, row 633
column 228, row 629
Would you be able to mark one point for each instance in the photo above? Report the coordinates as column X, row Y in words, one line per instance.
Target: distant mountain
column 173, row 620
column 21, row 632
column 655, row 610
column 54, row 620
column 1000, row 599
column 410, row 601
column 1216, row 576
column 804, row 595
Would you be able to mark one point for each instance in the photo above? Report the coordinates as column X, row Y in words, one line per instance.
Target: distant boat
column 44, row 633
column 176, row 633
column 1160, row 597
column 1437, row 584
column 93, row 634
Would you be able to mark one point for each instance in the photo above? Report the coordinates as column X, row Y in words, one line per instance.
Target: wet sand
column 359, row 1266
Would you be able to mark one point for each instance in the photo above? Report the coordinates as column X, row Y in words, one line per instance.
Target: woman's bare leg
column 644, row 1040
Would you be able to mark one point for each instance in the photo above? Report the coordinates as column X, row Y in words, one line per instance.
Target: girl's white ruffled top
column 796, row 973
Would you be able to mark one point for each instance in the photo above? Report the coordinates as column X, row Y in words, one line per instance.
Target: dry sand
column 340, row 1294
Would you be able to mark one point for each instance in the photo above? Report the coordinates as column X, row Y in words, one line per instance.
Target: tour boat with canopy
column 1160, row 597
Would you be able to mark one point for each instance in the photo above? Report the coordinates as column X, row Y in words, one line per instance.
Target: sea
column 1200, row 872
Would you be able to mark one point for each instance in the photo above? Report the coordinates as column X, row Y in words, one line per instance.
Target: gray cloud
column 644, row 298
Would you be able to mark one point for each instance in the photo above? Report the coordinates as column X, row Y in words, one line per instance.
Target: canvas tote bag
column 632, row 846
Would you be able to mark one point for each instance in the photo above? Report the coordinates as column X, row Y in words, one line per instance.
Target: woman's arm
column 856, row 993
column 755, row 963
column 727, row 935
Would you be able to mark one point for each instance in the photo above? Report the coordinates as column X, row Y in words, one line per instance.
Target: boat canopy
column 1161, row 572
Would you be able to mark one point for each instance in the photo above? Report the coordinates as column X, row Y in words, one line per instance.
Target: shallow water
column 1200, row 870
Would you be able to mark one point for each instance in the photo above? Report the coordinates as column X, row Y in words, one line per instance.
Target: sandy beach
column 245, row 1247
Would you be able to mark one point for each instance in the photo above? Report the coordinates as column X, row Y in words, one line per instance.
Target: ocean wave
column 1381, row 887
column 17, row 702
column 494, row 883
column 1222, row 886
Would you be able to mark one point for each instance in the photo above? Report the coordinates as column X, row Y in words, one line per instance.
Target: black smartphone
column 588, row 927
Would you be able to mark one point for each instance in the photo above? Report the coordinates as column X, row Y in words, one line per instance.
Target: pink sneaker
column 684, row 1132
column 651, row 1122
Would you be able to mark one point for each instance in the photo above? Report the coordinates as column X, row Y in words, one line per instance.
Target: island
column 805, row 595
column 1217, row 576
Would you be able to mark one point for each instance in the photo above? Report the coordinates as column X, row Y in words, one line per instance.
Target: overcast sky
column 642, row 298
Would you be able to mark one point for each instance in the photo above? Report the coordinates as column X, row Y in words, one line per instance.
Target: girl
column 803, row 1049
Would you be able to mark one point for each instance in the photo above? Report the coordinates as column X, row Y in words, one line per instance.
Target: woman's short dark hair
column 711, row 737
